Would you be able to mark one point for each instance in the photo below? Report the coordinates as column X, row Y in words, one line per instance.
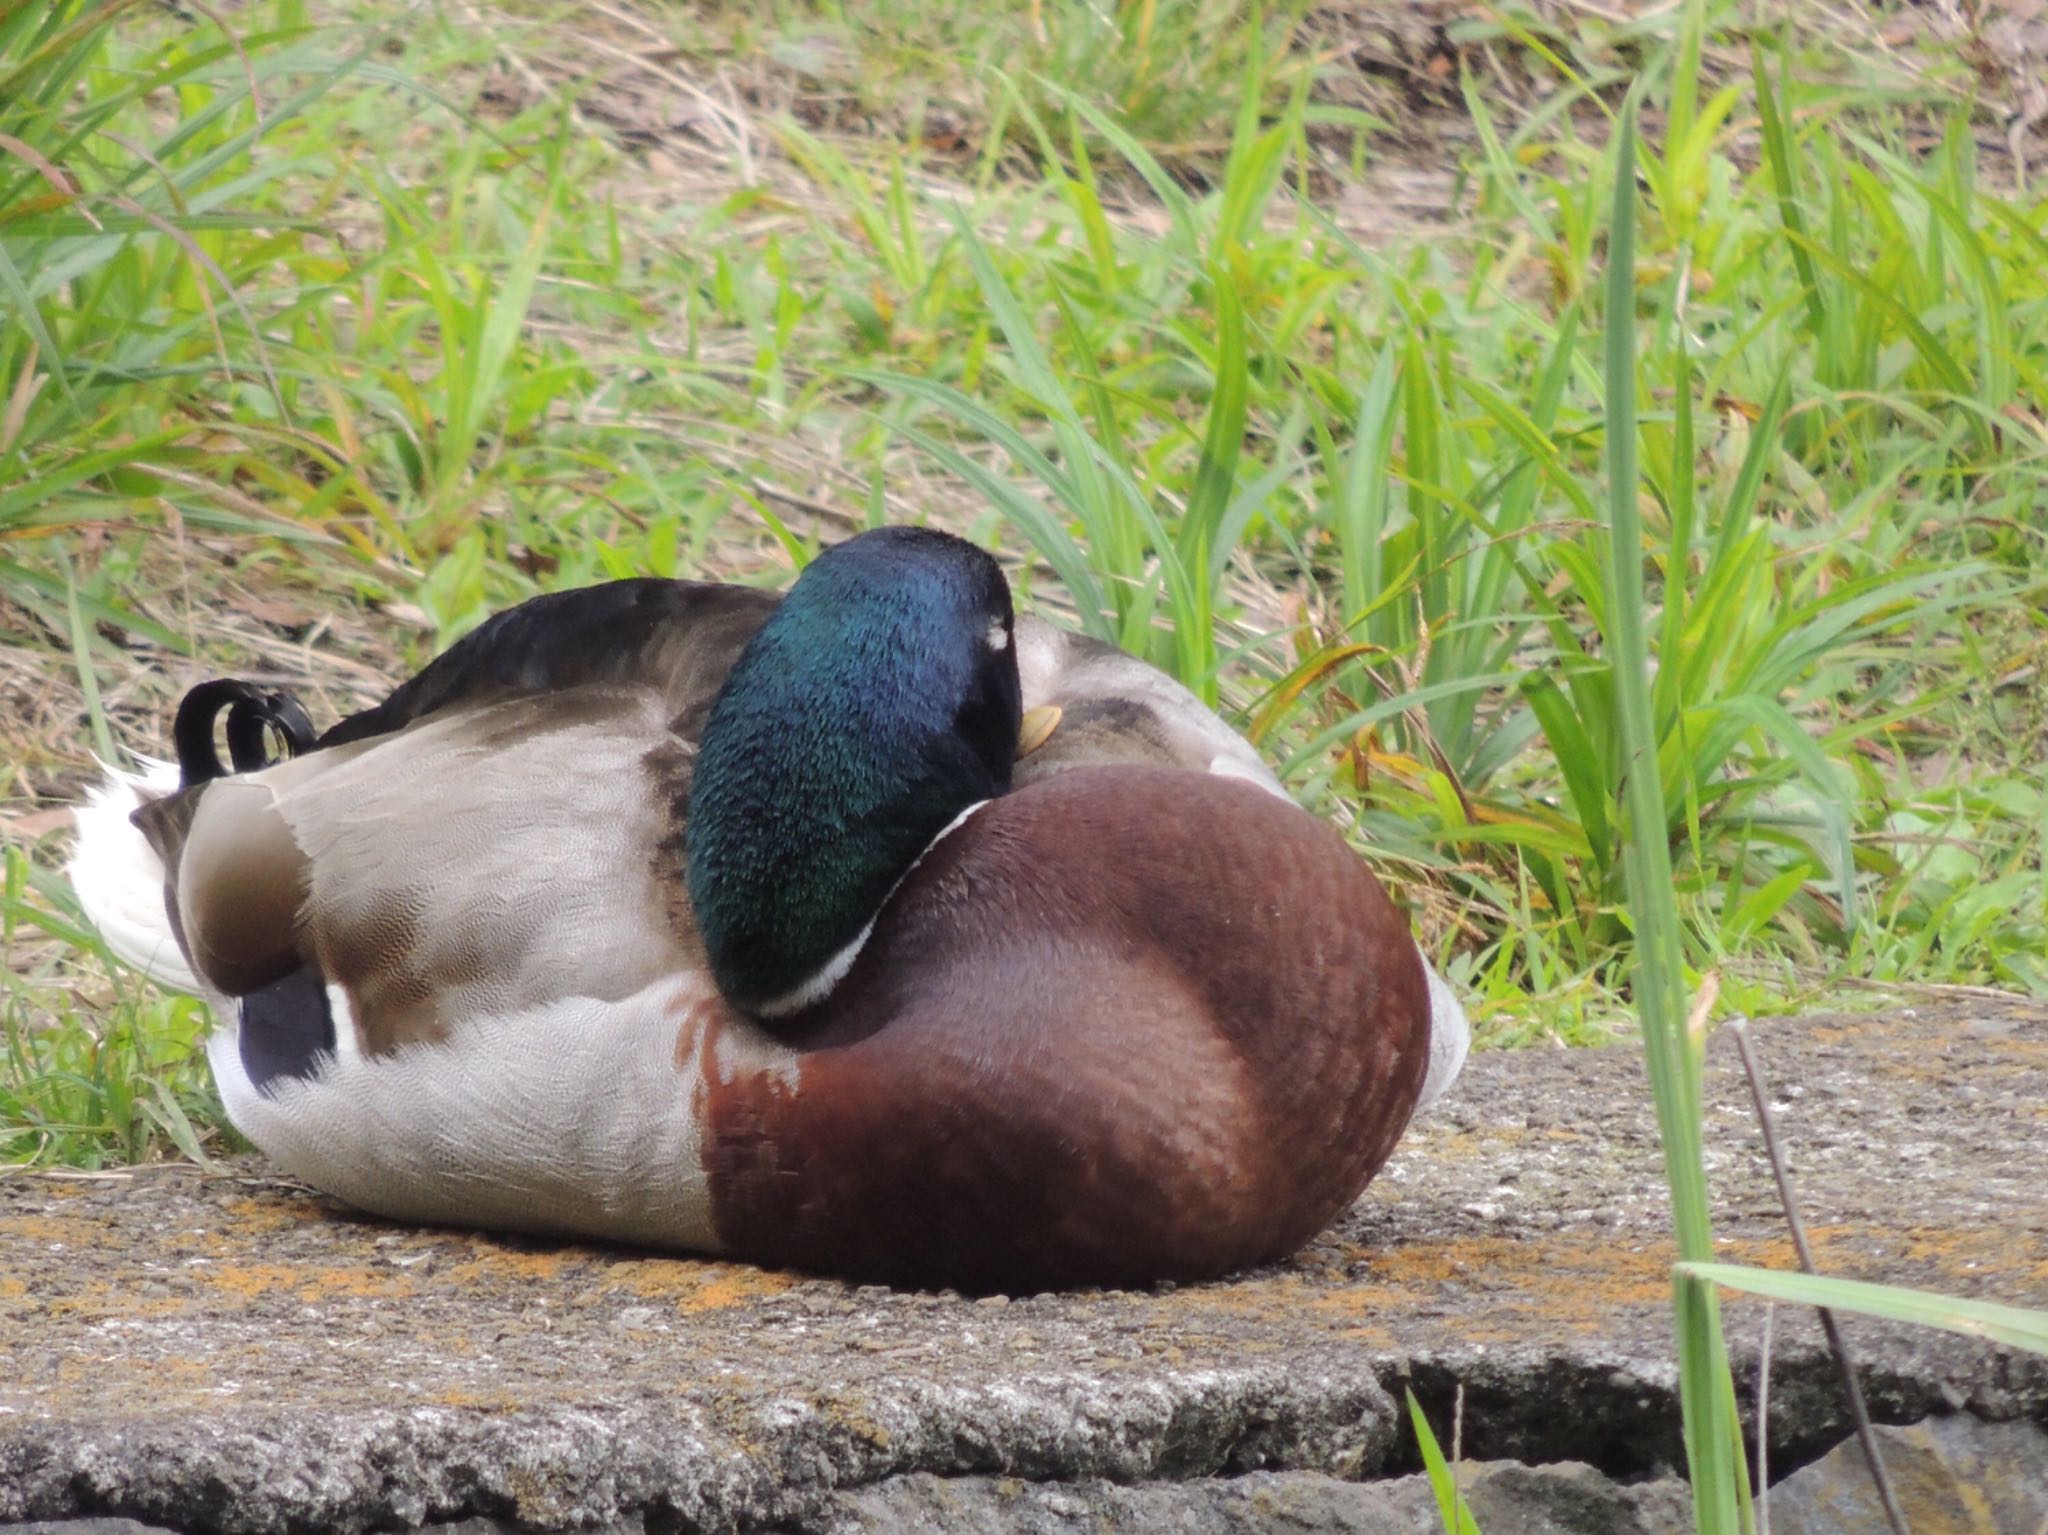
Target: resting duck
column 873, row 930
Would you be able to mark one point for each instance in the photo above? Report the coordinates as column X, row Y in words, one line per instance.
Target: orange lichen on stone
column 1510, row 1288
column 1959, row 1254
column 197, row 1372
column 495, row 1264
column 474, row 1401
column 310, row 1284
column 714, row 1287
column 68, row 1229
column 1454, row 1144
column 90, row 1296
column 274, row 1214
column 1571, row 1283
column 1839, row 1031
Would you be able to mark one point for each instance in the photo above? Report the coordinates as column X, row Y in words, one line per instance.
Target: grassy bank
column 1271, row 349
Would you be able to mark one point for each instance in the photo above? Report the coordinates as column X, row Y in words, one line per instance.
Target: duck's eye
column 999, row 636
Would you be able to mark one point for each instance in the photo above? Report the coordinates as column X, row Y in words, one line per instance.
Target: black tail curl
column 253, row 713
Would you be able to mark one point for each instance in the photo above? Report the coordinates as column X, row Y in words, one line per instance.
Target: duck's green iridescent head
column 878, row 703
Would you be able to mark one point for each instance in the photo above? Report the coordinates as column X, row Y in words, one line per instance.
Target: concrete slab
column 230, row 1352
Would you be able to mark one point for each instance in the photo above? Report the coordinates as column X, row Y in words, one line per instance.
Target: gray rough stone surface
column 1505, row 1497
column 1951, row 1476
column 232, row 1353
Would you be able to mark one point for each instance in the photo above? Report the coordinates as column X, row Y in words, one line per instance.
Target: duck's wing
column 483, row 859
column 677, row 637
column 501, row 831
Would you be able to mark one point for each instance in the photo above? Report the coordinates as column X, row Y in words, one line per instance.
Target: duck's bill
column 1036, row 728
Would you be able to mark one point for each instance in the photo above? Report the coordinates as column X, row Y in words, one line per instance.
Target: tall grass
column 1346, row 490
column 1411, row 459
column 125, row 265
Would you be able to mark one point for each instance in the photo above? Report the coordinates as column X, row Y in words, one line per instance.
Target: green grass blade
column 2013, row 1326
column 1778, row 155
column 1457, row 1519
column 88, row 679
column 1674, row 1058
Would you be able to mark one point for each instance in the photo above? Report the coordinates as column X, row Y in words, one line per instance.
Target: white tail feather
column 119, row 878
column 1450, row 1038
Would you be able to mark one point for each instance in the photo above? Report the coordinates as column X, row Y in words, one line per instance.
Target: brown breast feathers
column 1124, row 1024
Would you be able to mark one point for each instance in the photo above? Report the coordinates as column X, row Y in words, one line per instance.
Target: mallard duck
column 872, row 930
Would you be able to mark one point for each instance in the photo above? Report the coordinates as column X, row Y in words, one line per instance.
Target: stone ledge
column 1506, row 1497
column 229, row 1352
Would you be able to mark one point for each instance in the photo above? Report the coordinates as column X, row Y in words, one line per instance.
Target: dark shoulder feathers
column 678, row 636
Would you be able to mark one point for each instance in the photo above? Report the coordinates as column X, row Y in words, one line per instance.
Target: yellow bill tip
column 1036, row 728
